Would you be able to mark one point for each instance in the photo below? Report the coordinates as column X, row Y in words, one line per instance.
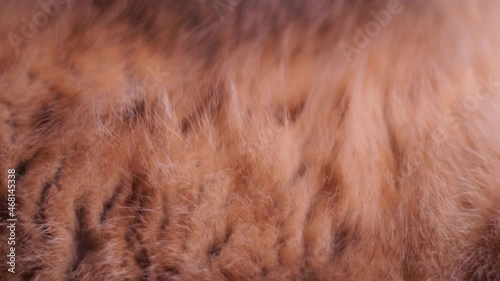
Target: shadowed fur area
column 251, row 139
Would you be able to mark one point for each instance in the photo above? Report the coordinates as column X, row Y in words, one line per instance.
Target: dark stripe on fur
column 143, row 261
column 135, row 113
column 111, row 203
column 30, row 274
column 44, row 120
column 23, row 167
column 339, row 243
column 217, row 246
column 40, row 216
column 86, row 239
column 138, row 199
column 288, row 114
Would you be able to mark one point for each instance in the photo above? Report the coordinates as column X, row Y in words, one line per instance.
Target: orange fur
column 171, row 140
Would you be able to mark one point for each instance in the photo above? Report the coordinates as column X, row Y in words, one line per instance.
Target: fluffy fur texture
column 242, row 140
